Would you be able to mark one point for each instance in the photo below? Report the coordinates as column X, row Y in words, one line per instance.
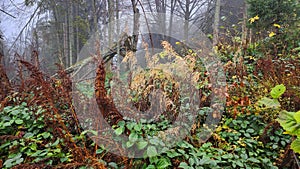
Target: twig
column 31, row 17
column 147, row 24
column 296, row 159
column 8, row 14
column 13, row 3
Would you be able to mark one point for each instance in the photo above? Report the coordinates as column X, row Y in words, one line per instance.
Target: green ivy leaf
column 15, row 112
column 296, row 145
column 154, row 141
column 46, row 135
column 121, row 123
column 133, row 137
column 4, row 145
column 33, row 146
column 142, row 144
column 205, row 160
column 163, row 163
column 64, row 159
column 227, row 156
column 239, row 163
column 6, row 124
column 17, row 159
column 184, row 165
column 250, row 131
column 99, row 151
column 153, row 160
column 55, row 143
column 138, row 127
column 119, row 130
column 129, row 144
column 113, row 164
column 130, row 125
column 184, row 144
column 191, row 161
column 19, row 121
column 151, row 151
column 277, row 91
column 28, row 135
column 172, row 154
column 254, row 160
column 150, row 167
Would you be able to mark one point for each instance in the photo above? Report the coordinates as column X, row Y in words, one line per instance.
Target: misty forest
column 150, row 84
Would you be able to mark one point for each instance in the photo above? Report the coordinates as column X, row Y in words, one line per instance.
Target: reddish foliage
column 53, row 96
column 105, row 104
column 282, row 71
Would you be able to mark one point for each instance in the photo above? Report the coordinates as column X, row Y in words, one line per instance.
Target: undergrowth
column 40, row 129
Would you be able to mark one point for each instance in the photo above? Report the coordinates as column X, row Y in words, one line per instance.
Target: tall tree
column 216, row 22
column 136, row 24
column 4, row 82
column 190, row 10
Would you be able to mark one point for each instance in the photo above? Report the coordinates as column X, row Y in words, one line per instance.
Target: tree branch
column 8, row 14
column 31, row 17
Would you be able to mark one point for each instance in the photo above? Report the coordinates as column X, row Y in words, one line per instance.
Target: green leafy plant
column 275, row 93
column 244, row 142
column 237, row 144
column 25, row 139
column 290, row 121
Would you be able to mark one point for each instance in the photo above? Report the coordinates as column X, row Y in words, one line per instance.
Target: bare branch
column 8, row 14
column 31, row 18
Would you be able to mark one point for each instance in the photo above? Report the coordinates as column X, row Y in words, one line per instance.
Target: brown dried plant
column 53, row 96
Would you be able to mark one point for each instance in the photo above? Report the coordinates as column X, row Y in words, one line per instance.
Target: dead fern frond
column 105, row 103
column 55, row 100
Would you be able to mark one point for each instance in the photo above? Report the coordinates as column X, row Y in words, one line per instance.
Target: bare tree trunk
column 119, row 57
column 95, row 20
column 186, row 19
column 244, row 26
column 71, row 33
column 35, row 39
column 65, row 45
column 58, row 34
column 217, row 22
column 111, row 16
column 207, row 17
column 67, row 35
column 161, row 10
column 77, row 31
column 136, row 25
column 4, row 82
column 173, row 5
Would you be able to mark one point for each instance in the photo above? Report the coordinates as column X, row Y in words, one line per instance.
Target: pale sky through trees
column 10, row 26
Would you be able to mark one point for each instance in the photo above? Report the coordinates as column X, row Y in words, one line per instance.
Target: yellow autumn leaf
column 254, row 19
column 218, row 129
column 277, row 25
column 286, row 132
column 251, row 58
column 272, row 34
